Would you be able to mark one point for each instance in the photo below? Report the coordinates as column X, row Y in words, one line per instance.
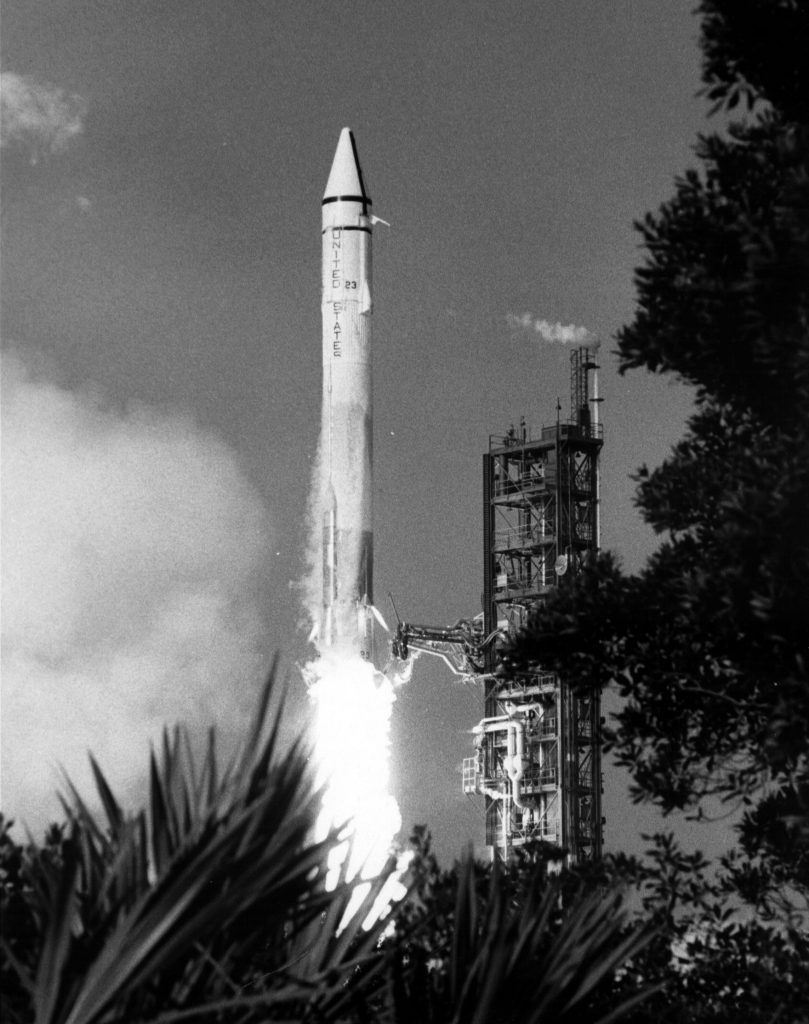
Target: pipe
column 493, row 794
column 516, row 748
column 491, row 724
column 596, row 401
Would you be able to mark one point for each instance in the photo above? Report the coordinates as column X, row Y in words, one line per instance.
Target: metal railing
column 574, row 430
column 504, row 486
column 568, row 428
column 524, row 536
column 525, row 588
column 469, row 774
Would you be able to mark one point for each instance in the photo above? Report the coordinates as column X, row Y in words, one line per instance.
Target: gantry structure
column 537, row 760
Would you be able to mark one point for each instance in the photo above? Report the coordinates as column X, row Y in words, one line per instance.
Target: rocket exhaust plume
column 134, row 557
column 352, row 699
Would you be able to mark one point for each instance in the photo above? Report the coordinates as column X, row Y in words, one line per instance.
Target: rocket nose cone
column 345, row 177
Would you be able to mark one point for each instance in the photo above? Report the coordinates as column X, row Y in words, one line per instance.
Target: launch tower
column 537, row 761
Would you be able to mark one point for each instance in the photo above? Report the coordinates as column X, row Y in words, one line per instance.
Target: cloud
column 133, row 549
column 554, row 333
column 38, row 117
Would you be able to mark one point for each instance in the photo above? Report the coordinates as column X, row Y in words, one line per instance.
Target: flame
column 353, row 703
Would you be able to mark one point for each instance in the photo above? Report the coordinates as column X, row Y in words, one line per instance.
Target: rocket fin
column 366, row 303
column 378, row 616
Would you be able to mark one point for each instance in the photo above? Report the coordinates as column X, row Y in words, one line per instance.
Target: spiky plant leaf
column 196, row 904
column 50, row 981
column 530, row 956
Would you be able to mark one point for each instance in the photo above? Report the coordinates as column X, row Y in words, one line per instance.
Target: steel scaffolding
column 538, row 758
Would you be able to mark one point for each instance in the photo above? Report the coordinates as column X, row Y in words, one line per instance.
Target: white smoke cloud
column 40, row 118
column 131, row 547
column 557, row 333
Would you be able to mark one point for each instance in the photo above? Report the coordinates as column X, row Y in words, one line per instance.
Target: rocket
column 346, row 465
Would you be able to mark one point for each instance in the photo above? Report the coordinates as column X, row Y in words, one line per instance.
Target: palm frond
column 50, row 980
column 199, row 900
column 532, row 956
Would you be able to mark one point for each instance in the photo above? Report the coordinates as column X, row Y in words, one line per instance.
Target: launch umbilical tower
column 537, row 761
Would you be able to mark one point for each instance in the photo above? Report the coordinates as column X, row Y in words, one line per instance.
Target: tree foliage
column 211, row 903
column 708, row 643
column 514, row 943
column 212, row 897
column 692, row 960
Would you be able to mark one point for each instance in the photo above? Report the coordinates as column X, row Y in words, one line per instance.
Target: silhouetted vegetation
column 708, row 643
column 210, row 903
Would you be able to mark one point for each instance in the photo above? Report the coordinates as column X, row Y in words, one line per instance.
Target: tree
column 513, row 944
column 708, row 643
column 474, row 947
column 706, row 965
column 212, row 904
column 211, row 901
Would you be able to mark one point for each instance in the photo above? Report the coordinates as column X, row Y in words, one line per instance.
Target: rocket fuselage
column 347, row 423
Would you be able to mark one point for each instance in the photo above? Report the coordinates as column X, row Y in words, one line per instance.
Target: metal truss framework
column 538, row 759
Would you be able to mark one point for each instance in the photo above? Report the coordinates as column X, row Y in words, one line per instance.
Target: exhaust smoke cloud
column 39, row 117
column 133, row 544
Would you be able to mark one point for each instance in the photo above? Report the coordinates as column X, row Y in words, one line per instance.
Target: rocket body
column 347, row 421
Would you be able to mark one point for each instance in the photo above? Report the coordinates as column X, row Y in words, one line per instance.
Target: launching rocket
column 347, row 423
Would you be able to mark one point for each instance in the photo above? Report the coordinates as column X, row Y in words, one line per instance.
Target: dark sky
column 166, row 259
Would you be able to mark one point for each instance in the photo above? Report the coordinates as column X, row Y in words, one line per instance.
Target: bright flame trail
column 353, row 704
